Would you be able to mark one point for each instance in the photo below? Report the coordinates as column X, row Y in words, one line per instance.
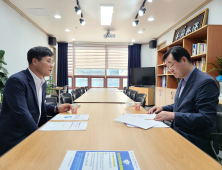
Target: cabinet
column 209, row 34
column 146, row 90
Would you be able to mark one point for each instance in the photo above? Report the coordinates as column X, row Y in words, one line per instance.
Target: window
column 97, row 65
column 124, row 82
column 113, row 82
column 81, row 82
column 97, row 82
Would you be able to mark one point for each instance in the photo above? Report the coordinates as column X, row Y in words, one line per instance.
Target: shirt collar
column 36, row 79
column 188, row 76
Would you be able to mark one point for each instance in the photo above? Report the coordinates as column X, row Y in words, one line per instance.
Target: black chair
column 128, row 92
column 87, row 88
column 124, row 90
column 219, row 133
column 141, row 100
column 133, row 95
column 51, row 101
column 67, row 100
column 79, row 92
column 82, row 90
column 139, row 96
column 65, row 95
column 75, row 95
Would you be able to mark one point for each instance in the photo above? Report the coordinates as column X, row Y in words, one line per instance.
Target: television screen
column 142, row 76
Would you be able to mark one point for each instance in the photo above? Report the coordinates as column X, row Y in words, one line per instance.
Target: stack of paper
column 138, row 120
column 51, row 126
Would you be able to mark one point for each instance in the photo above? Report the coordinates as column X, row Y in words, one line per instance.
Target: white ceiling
column 165, row 13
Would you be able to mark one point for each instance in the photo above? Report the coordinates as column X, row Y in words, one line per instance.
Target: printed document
column 100, row 160
column 71, row 117
column 51, row 126
column 142, row 116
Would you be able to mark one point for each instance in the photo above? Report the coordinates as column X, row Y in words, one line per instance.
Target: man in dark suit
column 23, row 107
column 195, row 106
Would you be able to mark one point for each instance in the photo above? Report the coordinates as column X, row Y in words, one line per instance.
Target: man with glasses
column 23, row 107
column 194, row 111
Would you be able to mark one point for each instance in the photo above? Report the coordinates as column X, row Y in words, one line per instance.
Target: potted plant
column 3, row 73
column 218, row 67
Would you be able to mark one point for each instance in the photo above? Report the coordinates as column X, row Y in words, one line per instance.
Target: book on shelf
column 201, row 65
column 199, row 48
column 164, row 70
column 163, row 81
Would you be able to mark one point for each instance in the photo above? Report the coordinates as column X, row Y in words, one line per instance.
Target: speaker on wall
column 52, row 40
column 153, row 44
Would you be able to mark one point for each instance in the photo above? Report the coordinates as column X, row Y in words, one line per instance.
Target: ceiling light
column 135, row 22
column 142, row 11
column 150, row 0
column 150, row 19
column 133, row 40
column 57, row 16
column 140, row 32
column 78, row 10
column 82, row 22
column 106, row 14
column 73, row 39
column 67, row 30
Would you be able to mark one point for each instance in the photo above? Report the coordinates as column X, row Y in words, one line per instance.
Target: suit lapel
column 32, row 85
column 187, row 87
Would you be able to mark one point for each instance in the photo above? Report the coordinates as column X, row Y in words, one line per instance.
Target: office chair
column 87, row 88
column 82, row 89
column 128, row 92
column 219, row 133
column 79, row 92
column 65, row 95
column 141, row 100
column 133, row 95
column 75, row 95
column 65, row 88
column 51, row 101
column 67, row 100
column 124, row 90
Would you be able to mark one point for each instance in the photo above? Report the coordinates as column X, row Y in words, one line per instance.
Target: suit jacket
column 196, row 110
column 20, row 110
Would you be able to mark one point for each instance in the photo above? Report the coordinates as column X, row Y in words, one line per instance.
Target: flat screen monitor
column 142, row 76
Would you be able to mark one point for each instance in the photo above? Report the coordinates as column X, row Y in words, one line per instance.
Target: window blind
column 117, row 57
column 70, row 59
column 89, row 57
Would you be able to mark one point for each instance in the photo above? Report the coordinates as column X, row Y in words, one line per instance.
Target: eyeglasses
column 171, row 67
column 52, row 63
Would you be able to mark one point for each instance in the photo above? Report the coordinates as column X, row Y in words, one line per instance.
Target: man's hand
column 164, row 116
column 155, row 110
column 64, row 107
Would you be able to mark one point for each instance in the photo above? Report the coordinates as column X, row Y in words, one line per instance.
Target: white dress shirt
column 38, row 85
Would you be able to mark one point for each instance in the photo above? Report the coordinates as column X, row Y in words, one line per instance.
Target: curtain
column 62, row 73
column 134, row 59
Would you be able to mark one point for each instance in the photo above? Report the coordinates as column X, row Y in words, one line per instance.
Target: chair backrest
column 87, row 88
column 141, row 95
column 65, row 95
column 75, row 95
column 133, row 95
column 128, row 92
column 124, row 89
column 82, row 90
column 51, row 101
column 141, row 100
column 79, row 92
column 67, row 100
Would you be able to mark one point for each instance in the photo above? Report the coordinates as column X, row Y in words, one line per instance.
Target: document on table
column 142, row 116
column 136, row 121
column 51, row 126
column 99, row 160
column 71, row 117
column 161, row 124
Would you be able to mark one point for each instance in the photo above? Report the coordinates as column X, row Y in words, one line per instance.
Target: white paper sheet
column 142, row 116
column 138, row 122
column 161, row 125
column 71, row 117
column 51, row 126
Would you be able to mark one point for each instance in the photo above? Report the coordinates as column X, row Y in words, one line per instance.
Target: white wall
column 17, row 36
column 214, row 17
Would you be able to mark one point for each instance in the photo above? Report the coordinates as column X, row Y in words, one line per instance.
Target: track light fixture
column 142, row 11
column 135, row 23
column 78, row 10
column 82, row 22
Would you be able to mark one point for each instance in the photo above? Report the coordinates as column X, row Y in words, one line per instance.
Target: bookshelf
column 209, row 34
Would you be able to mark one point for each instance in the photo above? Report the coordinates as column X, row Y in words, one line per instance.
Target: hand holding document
column 70, row 117
column 51, row 126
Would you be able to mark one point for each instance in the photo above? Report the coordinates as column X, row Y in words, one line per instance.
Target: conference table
column 103, row 95
column 154, row 148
